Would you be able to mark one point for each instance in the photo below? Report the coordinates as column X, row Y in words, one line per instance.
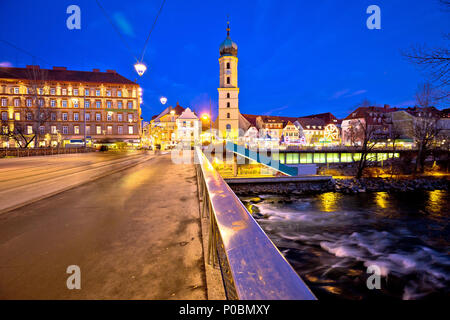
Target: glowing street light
column 140, row 68
column 163, row 100
column 205, row 116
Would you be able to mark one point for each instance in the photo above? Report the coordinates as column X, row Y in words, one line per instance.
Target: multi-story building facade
column 163, row 127
column 189, row 128
column 59, row 106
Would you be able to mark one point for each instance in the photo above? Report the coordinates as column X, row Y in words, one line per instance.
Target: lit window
column 53, row 129
column 109, row 129
column 99, row 130
column 17, row 116
column 76, row 130
column 130, row 130
column 29, row 129
column 64, row 92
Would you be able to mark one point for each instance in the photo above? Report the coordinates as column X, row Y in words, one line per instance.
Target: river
column 330, row 239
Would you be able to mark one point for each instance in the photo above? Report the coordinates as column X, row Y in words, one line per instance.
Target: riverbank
column 346, row 186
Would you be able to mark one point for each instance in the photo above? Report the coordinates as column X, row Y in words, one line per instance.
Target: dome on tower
column 228, row 46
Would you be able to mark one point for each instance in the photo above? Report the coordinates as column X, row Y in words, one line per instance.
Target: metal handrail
column 252, row 267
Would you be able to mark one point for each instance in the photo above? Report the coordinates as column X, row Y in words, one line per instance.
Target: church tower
column 228, row 118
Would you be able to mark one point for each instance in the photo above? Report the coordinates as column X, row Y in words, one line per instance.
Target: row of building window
column 65, row 103
column 65, row 116
column 74, row 92
column 76, row 130
column 299, row 158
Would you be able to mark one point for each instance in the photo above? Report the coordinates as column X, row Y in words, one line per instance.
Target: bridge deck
column 135, row 234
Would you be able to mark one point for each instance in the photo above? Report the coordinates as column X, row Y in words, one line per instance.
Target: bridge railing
column 252, row 267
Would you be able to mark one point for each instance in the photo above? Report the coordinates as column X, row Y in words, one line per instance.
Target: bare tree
column 35, row 111
column 426, row 96
column 363, row 135
column 434, row 62
column 17, row 131
column 425, row 131
column 39, row 110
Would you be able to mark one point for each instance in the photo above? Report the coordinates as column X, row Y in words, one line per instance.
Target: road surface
column 134, row 234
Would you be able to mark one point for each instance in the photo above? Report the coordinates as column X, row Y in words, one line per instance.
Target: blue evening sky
column 295, row 57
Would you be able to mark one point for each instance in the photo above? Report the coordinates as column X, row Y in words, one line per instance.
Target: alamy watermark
column 74, row 280
column 73, row 22
column 374, row 20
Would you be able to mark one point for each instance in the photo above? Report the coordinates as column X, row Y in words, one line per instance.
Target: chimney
column 111, row 71
column 59, row 68
column 33, row 67
column 95, row 70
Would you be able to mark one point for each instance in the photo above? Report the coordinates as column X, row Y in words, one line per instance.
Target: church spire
column 228, row 26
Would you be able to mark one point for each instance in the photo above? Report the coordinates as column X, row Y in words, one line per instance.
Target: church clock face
column 228, row 72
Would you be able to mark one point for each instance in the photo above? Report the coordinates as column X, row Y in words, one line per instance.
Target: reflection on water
column 436, row 201
column 329, row 201
column 382, row 199
column 405, row 234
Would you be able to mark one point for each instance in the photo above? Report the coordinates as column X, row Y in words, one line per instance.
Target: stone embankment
column 343, row 186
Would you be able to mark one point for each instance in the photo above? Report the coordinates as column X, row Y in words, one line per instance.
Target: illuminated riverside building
column 163, row 127
column 109, row 102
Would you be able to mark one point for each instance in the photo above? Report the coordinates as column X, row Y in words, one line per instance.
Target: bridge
column 139, row 226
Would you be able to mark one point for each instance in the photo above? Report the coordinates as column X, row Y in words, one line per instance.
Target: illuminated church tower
column 228, row 117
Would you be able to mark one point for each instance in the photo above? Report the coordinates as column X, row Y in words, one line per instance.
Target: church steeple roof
column 228, row 46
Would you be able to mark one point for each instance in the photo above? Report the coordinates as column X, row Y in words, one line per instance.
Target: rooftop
column 61, row 74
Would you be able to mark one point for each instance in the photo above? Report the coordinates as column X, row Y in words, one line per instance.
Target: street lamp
column 140, row 68
column 163, row 100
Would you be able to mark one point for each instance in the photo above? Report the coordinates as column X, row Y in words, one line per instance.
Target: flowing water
column 330, row 239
